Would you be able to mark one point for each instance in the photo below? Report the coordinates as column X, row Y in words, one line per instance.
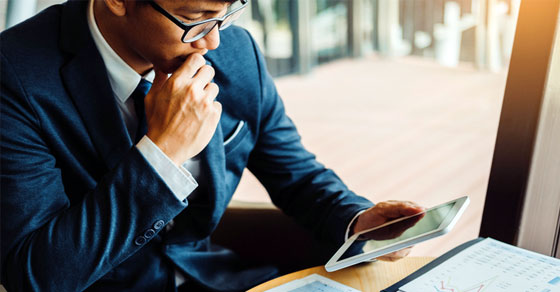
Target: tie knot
column 141, row 90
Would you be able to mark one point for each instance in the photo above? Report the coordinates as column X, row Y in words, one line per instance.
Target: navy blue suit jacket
column 82, row 209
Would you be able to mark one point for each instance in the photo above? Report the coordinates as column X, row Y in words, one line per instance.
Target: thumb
column 159, row 80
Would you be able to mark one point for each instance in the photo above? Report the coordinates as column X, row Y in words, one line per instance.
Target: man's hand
column 384, row 212
column 181, row 113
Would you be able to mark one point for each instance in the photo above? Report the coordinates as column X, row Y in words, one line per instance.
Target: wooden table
column 366, row 277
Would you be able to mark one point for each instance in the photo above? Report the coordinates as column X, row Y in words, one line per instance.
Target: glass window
column 330, row 30
column 272, row 24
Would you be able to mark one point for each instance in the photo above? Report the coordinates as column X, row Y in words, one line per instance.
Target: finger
column 395, row 209
column 159, row 80
column 204, row 76
column 218, row 108
column 411, row 210
column 388, row 259
column 414, row 205
column 404, row 252
column 388, row 209
column 396, row 255
column 402, row 201
column 189, row 68
column 211, row 91
column 407, row 204
column 218, row 105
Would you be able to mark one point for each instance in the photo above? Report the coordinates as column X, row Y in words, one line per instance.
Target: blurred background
column 401, row 98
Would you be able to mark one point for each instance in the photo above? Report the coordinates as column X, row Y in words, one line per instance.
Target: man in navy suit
column 125, row 128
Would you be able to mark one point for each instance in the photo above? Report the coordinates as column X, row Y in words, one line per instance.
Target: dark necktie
column 138, row 97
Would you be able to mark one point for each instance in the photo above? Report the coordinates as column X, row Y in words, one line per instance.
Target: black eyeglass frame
column 188, row 26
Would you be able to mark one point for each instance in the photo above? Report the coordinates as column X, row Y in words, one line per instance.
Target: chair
column 261, row 233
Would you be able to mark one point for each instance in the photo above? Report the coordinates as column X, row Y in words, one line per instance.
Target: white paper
column 313, row 283
column 491, row 266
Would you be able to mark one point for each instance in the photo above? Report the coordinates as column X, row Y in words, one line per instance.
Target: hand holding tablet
column 396, row 234
column 382, row 213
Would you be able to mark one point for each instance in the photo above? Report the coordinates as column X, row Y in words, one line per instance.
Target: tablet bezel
column 446, row 225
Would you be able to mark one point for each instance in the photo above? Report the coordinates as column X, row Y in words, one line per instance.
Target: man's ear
column 117, row 7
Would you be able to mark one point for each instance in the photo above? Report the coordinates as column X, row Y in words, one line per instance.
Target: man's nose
column 211, row 41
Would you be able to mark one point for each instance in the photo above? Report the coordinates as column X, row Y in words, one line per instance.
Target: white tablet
column 398, row 234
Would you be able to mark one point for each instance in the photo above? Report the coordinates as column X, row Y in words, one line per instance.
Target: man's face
column 157, row 40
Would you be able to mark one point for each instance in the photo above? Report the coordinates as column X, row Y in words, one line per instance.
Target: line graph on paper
column 448, row 286
column 491, row 266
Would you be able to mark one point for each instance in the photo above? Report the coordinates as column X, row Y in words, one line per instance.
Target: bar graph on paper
column 491, row 266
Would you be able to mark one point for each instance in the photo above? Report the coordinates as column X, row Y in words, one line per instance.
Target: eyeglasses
column 197, row 30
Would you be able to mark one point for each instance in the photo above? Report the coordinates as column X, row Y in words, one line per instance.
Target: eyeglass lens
column 199, row 31
column 230, row 19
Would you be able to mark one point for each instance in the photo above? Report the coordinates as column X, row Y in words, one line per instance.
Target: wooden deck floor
column 404, row 129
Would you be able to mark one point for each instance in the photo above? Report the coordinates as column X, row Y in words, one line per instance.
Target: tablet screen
column 402, row 230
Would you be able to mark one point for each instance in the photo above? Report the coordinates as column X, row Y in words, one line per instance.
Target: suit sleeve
column 296, row 182
column 49, row 243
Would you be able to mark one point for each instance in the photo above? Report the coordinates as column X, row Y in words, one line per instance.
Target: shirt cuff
column 347, row 234
column 178, row 179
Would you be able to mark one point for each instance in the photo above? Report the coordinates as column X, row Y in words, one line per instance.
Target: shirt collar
column 122, row 77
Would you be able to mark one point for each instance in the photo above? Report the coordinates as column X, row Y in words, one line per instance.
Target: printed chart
column 491, row 266
column 313, row 283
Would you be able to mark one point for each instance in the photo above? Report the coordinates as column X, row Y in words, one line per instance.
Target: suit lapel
column 85, row 77
column 214, row 166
